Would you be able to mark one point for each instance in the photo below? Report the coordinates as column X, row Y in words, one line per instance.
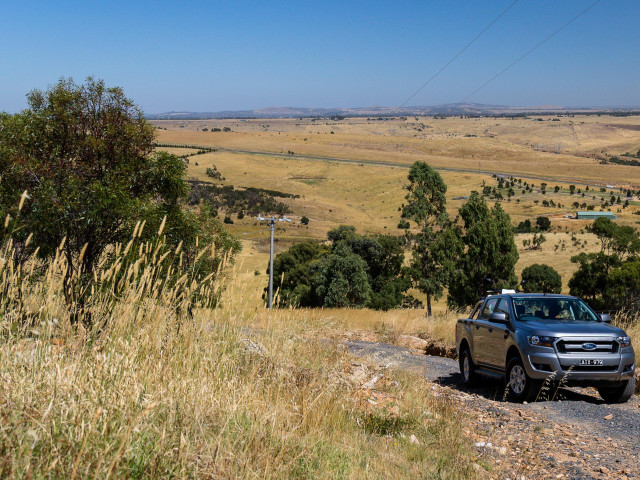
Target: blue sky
column 218, row 55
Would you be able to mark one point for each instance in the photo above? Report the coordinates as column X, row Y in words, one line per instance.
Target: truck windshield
column 550, row 308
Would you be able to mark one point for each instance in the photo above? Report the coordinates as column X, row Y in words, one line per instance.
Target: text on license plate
column 590, row 361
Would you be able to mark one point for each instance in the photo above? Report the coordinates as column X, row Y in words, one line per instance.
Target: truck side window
column 503, row 307
column 488, row 309
column 476, row 311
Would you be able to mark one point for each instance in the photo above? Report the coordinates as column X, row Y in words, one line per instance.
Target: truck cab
column 526, row 339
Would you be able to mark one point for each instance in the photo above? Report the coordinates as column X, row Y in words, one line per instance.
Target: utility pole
column 272, row 223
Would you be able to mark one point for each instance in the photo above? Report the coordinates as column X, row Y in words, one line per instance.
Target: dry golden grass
column 557, row 252
column 155, row 393
column 514, row 146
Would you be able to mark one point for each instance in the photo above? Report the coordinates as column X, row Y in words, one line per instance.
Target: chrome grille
column 576, row 346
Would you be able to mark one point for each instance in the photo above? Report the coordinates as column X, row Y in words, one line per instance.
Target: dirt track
column 575, row 435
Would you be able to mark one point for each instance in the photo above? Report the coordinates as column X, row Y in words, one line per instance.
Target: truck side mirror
column 605, row 318
column 498, row 317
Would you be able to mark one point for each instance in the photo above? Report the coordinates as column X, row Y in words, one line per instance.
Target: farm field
column 352, row 171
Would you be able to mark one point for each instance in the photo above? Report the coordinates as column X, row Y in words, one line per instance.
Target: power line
column 531, row 50
column 459, row 53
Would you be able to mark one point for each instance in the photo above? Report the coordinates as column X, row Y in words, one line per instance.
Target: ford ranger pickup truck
column 525, row 338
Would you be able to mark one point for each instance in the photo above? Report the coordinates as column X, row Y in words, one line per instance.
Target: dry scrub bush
column 160, row 385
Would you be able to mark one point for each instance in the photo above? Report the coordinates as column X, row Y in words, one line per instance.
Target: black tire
column 619, row 394
column 520, row 387
column 467, row 368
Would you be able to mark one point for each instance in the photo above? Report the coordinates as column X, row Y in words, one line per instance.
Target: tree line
column 465, row 256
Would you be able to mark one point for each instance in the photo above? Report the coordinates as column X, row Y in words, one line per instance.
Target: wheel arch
column 513, row 352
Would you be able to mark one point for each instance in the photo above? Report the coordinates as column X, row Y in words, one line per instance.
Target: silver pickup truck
column 526, row 338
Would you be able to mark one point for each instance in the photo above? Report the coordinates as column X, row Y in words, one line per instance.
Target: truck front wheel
column 618, row 394
column 521, row 388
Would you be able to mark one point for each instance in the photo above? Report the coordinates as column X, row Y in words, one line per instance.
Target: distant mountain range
column 377, row 111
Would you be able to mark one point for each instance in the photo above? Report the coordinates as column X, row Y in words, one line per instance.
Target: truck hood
column 559, row 328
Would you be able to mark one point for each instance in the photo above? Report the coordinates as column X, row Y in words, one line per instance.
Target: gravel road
column 605, row 437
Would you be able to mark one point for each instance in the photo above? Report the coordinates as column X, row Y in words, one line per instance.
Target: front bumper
column 615, row 367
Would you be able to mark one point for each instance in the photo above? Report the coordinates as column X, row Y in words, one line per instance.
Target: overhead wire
column 531, row 50
column 459, row 53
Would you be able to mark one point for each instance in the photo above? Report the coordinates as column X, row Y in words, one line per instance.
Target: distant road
column 378, row 163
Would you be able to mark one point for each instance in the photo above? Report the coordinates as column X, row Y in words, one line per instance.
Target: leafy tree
column 341, row 280
column 623, row 287
column 537, row 241
column 426, row 195
column 543, row 223
column 607, row 278
column 438, row 254
column 84, row 154
column 314, row 275
column 341, row 233
column 384, row 257
column 540, row 278
column 616, row 239
column 388, row 278
column 82, row 159
column 524, row 227
column 304, row 220
column 489, row 252
column 591, row 280
column 292, row 272
column 425, row 206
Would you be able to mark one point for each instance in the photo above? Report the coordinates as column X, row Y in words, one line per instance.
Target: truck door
column 480, row 332
column 496, row 340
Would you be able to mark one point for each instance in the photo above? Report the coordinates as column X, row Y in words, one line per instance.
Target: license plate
column 590, row 361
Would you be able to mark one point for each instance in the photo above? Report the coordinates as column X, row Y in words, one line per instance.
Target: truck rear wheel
column 618, row 394
column 467, row 368
column 521, row 387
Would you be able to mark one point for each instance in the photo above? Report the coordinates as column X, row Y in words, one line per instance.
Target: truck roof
column 531, row 295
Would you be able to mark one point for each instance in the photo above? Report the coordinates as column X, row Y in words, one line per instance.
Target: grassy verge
column 155, row 394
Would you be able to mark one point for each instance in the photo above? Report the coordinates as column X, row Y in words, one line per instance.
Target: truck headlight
column 537, row 341
column 624, row 342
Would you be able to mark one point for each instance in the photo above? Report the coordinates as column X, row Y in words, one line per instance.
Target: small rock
column 409, row 341
column 370, row 384
column 483, row 445
column 604, row 470
column 253, row 348
column 413, row 439
column 608, row 417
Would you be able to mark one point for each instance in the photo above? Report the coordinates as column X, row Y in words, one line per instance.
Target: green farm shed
column 590, row 215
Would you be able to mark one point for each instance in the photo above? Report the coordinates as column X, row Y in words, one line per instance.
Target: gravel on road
column 573, row 436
